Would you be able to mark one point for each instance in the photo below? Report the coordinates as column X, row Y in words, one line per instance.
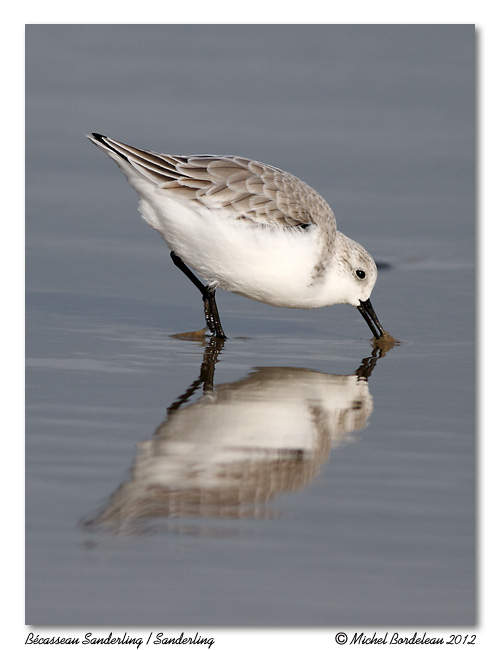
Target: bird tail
column 157, row 168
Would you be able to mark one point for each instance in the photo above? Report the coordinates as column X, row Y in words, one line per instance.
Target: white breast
column 269, row 264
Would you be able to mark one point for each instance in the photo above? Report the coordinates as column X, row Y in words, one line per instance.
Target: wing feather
column 243, row 188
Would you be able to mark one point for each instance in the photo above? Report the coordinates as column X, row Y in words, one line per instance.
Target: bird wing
column 246, row 189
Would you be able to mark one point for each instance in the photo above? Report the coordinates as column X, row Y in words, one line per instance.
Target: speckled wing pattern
column 248, row 189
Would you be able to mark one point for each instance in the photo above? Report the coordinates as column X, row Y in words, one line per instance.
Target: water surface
column 294, row 477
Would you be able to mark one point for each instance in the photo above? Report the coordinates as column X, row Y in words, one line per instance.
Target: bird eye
column 361, row 274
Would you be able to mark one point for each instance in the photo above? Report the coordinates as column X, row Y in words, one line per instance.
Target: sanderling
column 249, row 228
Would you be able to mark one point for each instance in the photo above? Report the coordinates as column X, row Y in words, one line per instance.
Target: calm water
column 313, row 482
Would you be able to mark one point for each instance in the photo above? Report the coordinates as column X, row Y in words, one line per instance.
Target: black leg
column 208, row 295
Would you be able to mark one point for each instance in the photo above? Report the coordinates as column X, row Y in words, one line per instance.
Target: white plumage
column 248, row 228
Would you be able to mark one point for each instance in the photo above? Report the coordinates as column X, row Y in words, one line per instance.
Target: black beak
column 370, row 317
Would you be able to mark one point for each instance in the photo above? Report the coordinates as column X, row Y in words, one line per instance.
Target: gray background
column 380, row 120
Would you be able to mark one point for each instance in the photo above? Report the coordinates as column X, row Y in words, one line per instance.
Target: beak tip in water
column 366, row 310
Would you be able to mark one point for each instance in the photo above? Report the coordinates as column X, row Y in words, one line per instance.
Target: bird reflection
column 231, row 452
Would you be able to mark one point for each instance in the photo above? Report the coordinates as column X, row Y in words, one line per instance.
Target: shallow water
column 294, row 476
